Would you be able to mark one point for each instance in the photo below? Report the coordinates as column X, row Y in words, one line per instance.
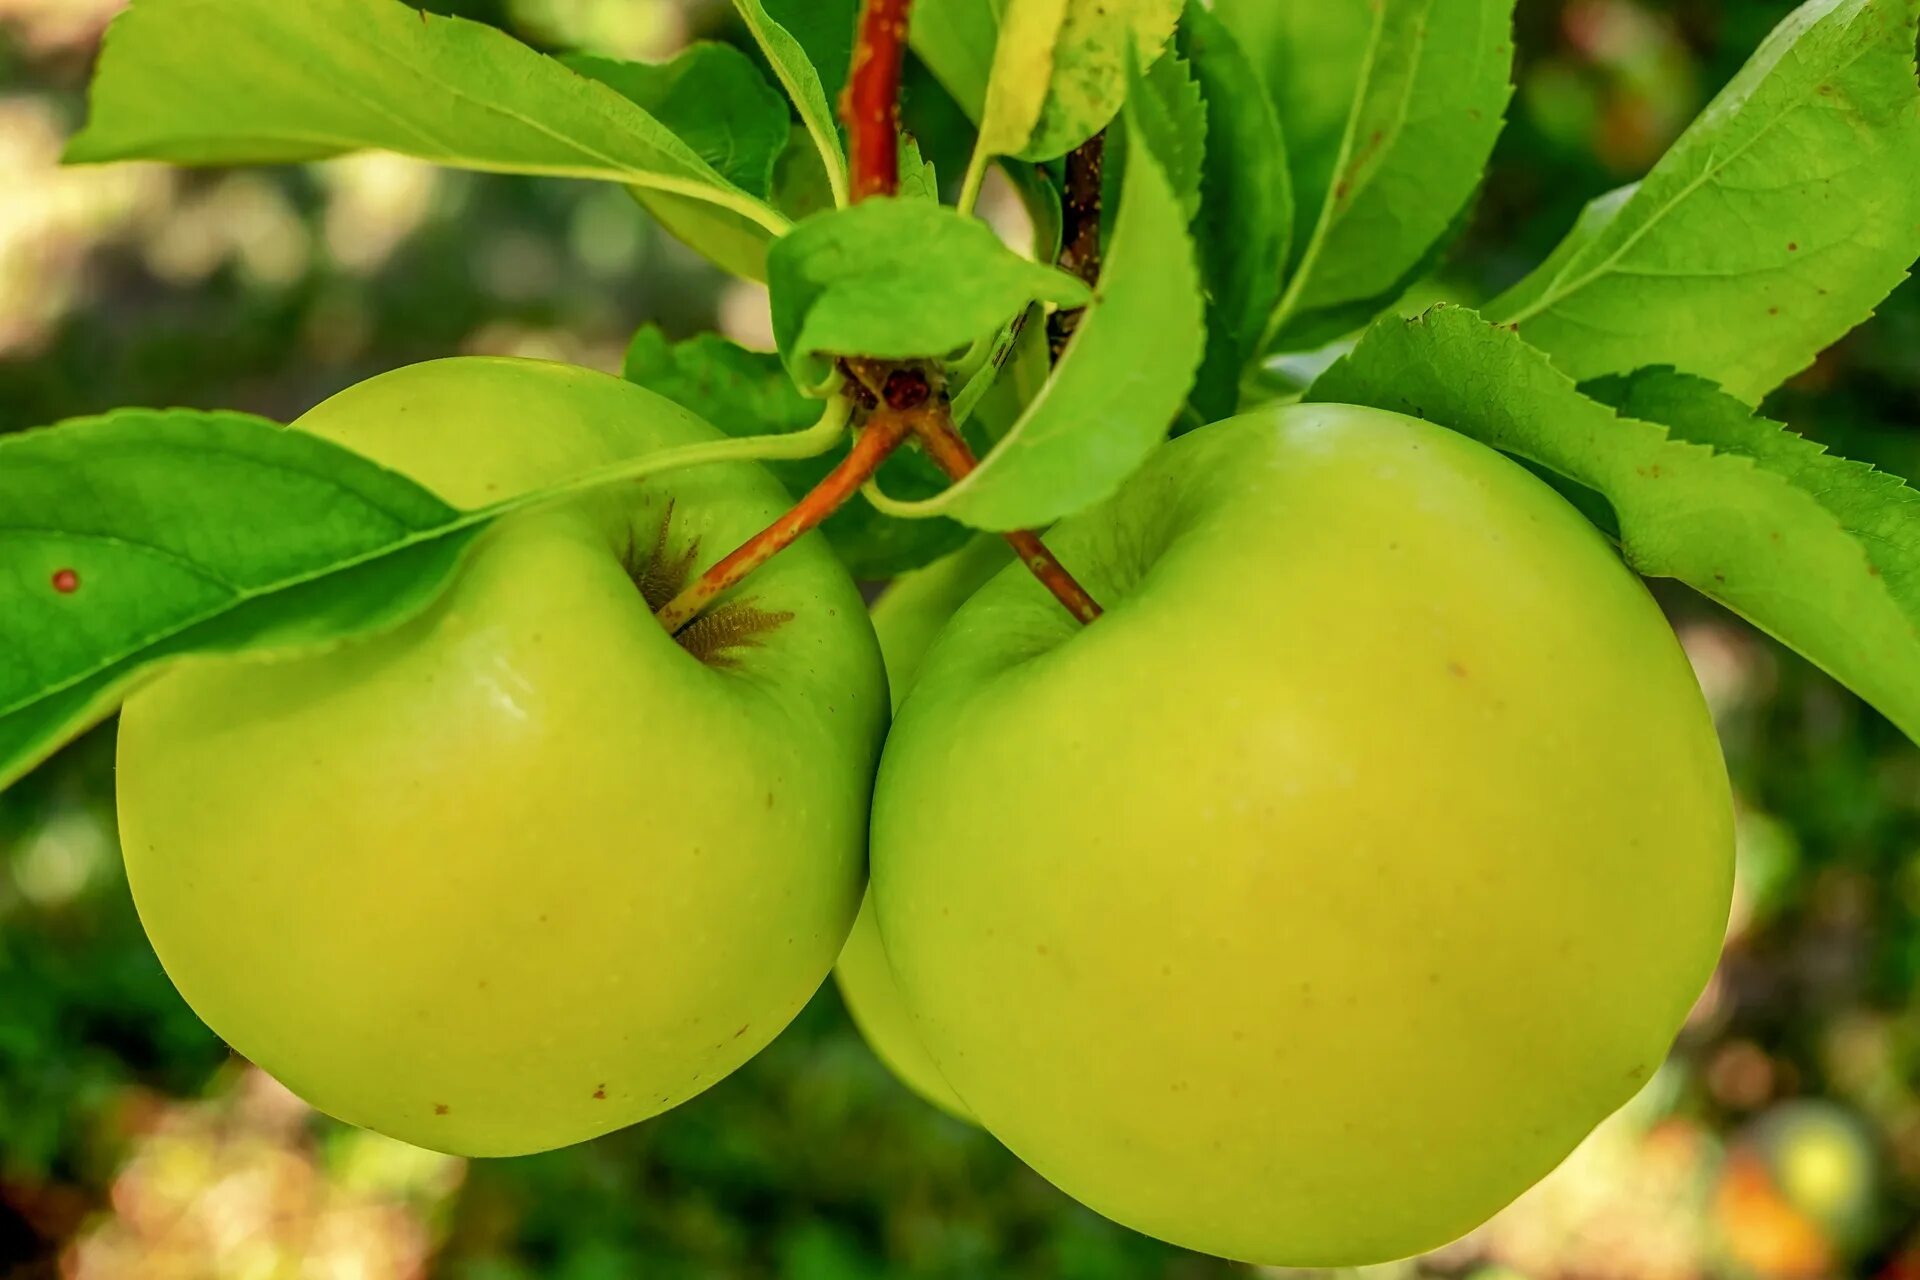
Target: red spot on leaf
column 66, row 581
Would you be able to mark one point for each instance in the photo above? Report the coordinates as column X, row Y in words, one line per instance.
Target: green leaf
column 1245, row 225
column 267, row 82
column 1390, row 111
column 1820, row 552
column 1119, row 385
column 1595, row 216
column 735, row 244
column 1173, row 115
column 918, row 181
column 894, row 279
column 1089, row 75
column 801, row 78
column 142, row 536
column 1774, row 225
column 745, row 393
column 1040, row 196
column 1022, row 72
column 713, row 99
column 956, row 39
column 825, row 30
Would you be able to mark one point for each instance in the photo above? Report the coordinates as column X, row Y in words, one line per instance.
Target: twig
column 871, row 106
column 1080, row 213
column 902, row 399
column 884, row 432
column 949, row 451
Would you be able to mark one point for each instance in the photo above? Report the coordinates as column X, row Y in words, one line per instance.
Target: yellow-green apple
column 907, row 617
column 1320, row 897
column 527, row 868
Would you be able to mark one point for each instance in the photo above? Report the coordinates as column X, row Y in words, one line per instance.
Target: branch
column 883, row 433
column 902, row 399
column 871, row 106
column 1080, row 213
column 949, row 451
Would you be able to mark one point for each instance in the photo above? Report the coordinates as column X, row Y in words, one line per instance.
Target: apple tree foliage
column 1277, row 175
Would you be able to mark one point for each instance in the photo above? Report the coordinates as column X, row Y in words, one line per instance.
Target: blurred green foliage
column 811, row 1163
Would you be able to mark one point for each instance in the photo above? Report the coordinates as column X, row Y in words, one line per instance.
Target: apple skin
column 906, row 618
column 524, row 870
column 1318, row 899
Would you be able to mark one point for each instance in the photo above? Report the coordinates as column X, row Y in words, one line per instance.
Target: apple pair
column 1305, row 908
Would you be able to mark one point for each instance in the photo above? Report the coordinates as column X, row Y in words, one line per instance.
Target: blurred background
column 1783, row 1139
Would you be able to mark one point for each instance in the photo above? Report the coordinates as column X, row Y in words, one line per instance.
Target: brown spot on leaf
column 441, row 1108
column 600, row 1094
column 1457, row 670
column 742, row 1031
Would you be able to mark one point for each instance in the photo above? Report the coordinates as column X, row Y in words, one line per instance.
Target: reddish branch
column 881, row 436
column 949, row 451
column 871, row 106
column 901, row 399
column 1080, row 213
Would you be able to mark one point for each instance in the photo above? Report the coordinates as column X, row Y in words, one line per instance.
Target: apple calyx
column 664, row 570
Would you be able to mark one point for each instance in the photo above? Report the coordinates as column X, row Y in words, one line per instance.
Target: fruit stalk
column 905, row 398
column 949, row 451
column 883, row 433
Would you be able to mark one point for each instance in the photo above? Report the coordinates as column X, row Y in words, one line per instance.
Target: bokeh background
column 1783, row 1139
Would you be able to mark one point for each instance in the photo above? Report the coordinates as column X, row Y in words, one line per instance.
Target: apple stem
column 949, row 451
column 871, row 105
column 904, row 399
column 884, row 431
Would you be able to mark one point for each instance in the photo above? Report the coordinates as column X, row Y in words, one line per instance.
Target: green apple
column 1319, row 898
column 907, row 617
column 526, row 869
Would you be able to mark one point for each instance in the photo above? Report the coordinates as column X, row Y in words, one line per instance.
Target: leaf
column 746, row 392
column 956, row 39
column 1245, row 224
column 918, row 181
column 1774, row 225
column 145, row 535
column 1820, row 552
column 1390, row 111
column 802, row 81
column 825, row 31
column 1022, row 73
column 735, row 244
column 1119, row 385
column 1594, row 218
column 319, row 78
column 1089, row 77
column 895, row 278
column 1040, row 197
column 1173, row 115
column 713, row 99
